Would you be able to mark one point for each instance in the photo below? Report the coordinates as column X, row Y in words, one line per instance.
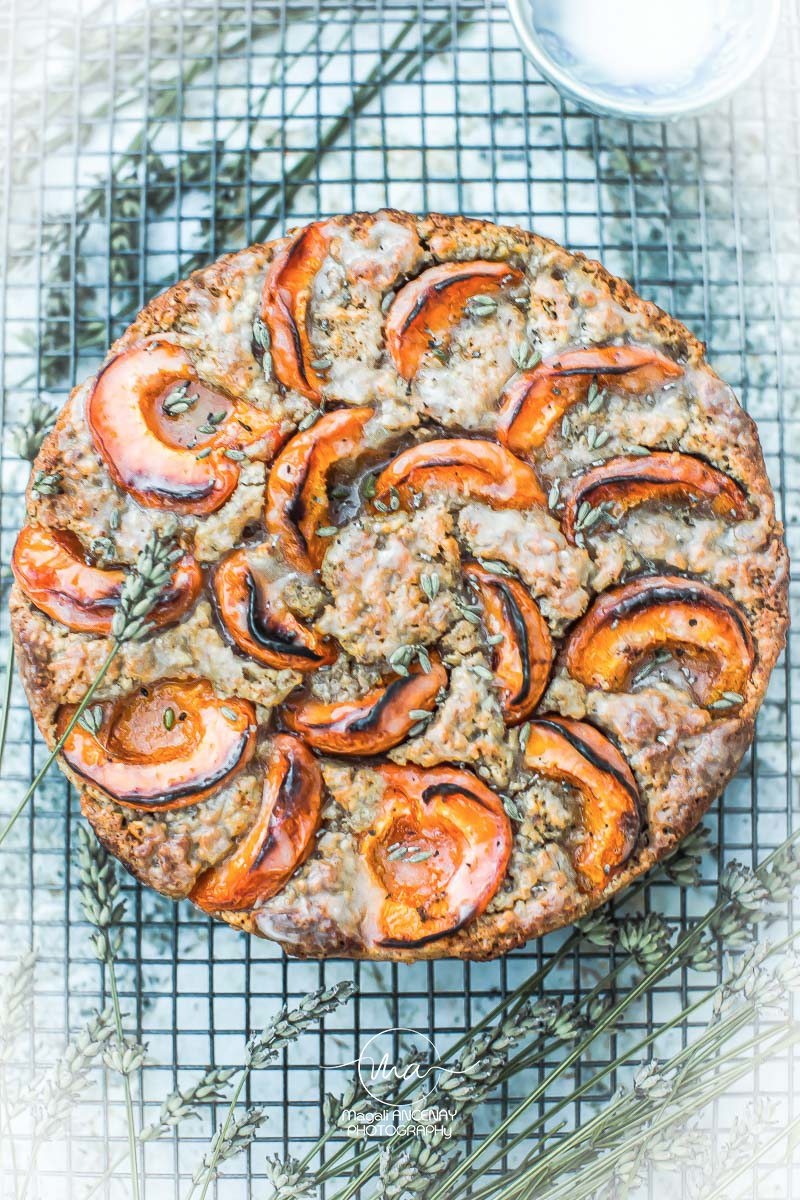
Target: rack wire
column 142, row 139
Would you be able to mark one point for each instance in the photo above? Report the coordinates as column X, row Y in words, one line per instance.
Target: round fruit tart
column 476, row 587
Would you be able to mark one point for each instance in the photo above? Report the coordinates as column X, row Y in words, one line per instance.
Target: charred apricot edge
column 269, row 634
column 460, row 836
column 372, row 724
column 624, row 482
column 297, row 490
column 629, row 623
column 534, row 400
column 575, row 751
column 164, row 461
column 431, row 304
column 521, row 662
column 137, row 761
column 51, row 569
column 281, row 837
column 478, row 468
column 284, row 311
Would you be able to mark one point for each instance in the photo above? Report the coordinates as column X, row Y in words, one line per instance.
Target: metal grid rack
column 144, row 138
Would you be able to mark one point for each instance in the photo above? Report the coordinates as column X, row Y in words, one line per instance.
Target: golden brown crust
column 705, row 763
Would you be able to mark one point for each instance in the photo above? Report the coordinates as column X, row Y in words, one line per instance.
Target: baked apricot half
column 268, row 631
column 423, row 312
column 280, row 839
column 51, row 568
column 521, row 660
column 470, row 467
column 625, row 482
column 297, row 490
column 534, row 400
column 284, row 311
column 163, row 746
column 577, row 753
column 438, row 850
column 695, row 623
column 167, row 438
column 375, row 723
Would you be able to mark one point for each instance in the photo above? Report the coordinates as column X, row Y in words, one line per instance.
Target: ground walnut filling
column 479, row 591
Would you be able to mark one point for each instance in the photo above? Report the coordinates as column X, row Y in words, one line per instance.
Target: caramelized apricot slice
column 521, row 661
column 284, row 311
column 375, row 723
column 469, row 466
column 534, row 400
column 161, row 451
column 51, row 568
column 688, row 618
column 297, row 490
column 281, row 837
column 424, row 311
column 624, row 482
column 438, row 850
column 268, row 632
column 160, row 747
column 575, row 751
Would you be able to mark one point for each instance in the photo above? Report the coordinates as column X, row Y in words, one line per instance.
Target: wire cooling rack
column 144, row 138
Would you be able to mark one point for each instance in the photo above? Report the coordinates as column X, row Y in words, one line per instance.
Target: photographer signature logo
column 379, row 1066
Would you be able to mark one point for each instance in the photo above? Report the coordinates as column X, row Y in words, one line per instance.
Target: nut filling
column 475, row 602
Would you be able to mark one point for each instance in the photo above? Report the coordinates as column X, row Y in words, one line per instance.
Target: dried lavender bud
column 240, row 1133
column 646, row 938
column 143, row 587
column 289, row 1181
column 47, row 485
column 100, row 895
column 180, row 1106
column 264, row 1047
column 598, row 928
column 26, row 439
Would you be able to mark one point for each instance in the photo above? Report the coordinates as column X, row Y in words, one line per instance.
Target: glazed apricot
column 297, row 489
column 466, row 466
column 577, row 753
column 51, row 569
column 694, row 622
column 438, row 850
column 280, row 839
column 624, row 482
column 535, row 400
column 423, row 312
column 375, row 723
column 266, row 631
column 167, row 455
column 521, row 661
column 164, row 746
column 284, row 311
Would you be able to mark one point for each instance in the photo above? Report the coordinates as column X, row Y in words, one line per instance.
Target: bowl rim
column 586, row 95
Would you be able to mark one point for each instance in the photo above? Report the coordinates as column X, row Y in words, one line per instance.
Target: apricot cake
column 476, row 587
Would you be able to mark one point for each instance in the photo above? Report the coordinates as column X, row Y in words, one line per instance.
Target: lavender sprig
column 26, row 439
column 236, row 1133
column 140, row 592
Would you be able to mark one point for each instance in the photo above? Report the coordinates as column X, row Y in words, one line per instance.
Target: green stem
column 661, row 968
column 588, row 1085
column 209, row 1175
column 514, row 1000
column 60, row 743
column 126, row 1079
column 584, row 1184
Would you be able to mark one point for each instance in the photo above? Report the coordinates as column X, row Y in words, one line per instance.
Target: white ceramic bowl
column 643, row 60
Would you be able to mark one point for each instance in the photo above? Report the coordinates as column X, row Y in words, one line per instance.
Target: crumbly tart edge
column 482, row 939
